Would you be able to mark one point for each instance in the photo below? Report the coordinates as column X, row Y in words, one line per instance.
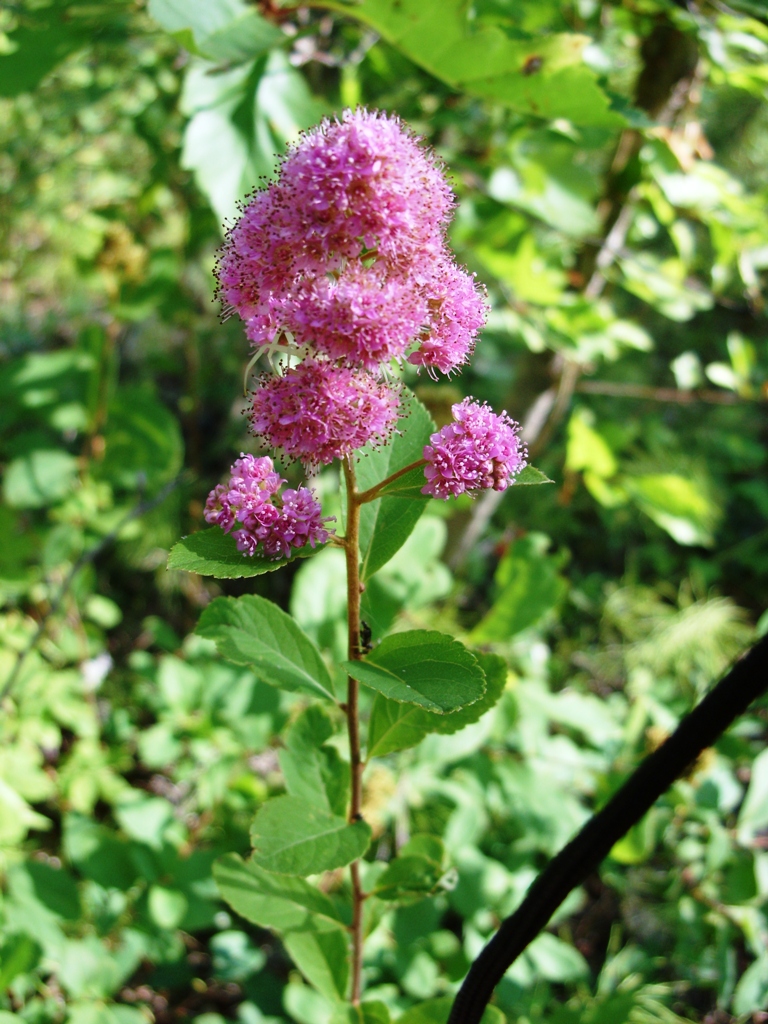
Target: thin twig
column 373, row 492
column 677, row 395
column 88, row 556
column 746, row 681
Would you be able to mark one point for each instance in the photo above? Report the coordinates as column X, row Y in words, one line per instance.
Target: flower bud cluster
column 480, row 450
column 342, row 265
column 251, row 500
column 343, row 261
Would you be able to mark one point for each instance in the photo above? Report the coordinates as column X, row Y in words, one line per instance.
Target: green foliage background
column 610, row 161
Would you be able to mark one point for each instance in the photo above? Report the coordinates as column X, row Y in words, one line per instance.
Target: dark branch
column 747, row 680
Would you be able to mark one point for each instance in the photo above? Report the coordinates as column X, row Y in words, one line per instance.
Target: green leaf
column 98, row 853
column 753, row 814
column 239, row 121
column 312, row 771
column 322, row 956
column 415, row 873
column 227, row 31
column 56, row 889
column 214, row 553
column 422, row 667
column 414, row 577
column 395, row 726
column 19, row 954
column 637, row 844
column 545, row 76
column 235, row 957
column 39, row 478
column 272, row 900
column 44, row 37
column 386, row 523
column 677, row 504
column 751, row 993
column 143, row 443
column 531, row 475
column 436, row 1011
column 144, row 819
column 250, row 630
column 295, row 837
column 372, row 1012
column 556, row 960
column 527, row 585
column 541, row 174
column 99, row 1012
column 167, row 907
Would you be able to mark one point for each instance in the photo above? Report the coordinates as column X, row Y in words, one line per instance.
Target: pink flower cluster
column 478, row 451
column 250, row 500
column 318, row 412
column 343, row 261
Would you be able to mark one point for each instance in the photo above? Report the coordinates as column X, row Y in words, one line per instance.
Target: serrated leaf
column 312, row 770
column 422, row 667
column 214, row 553
column 395, row 726
column 295, row 837
column 271, row 900
column 545, row 76
column 250, row 630
column 386, row 524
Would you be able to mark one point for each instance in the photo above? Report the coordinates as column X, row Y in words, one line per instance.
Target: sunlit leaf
column 295, row 837
column 251, row 630
column 396, row 726
column 214, row 553
column 545, row 76
column 422, row 667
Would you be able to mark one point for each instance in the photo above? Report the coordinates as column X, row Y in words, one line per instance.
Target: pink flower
column 317, row 412
column 335, row 251
column 362, row 318
column 457, row 311
column 365, row 183
column 478, row 451
column 248, row 498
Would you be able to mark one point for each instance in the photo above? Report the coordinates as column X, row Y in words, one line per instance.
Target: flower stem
column 352, row 552
column 373, row 492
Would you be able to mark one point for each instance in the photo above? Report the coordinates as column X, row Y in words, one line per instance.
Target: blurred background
column 611, row 165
